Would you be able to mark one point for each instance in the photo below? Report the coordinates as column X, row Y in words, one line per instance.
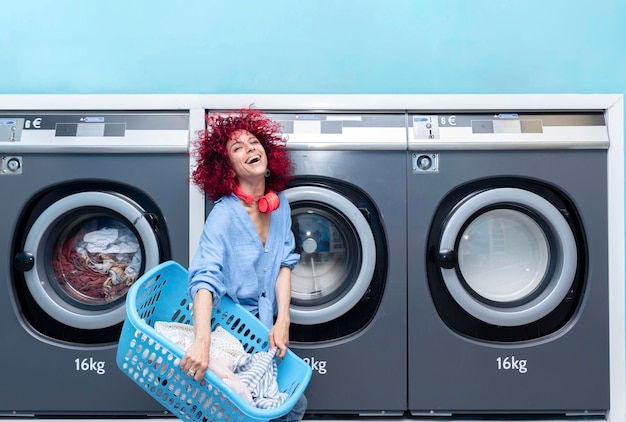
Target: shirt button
column 266, row 250
column 265, row 269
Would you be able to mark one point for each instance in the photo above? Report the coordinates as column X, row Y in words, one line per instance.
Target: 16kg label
column 511, row 363
column 90, row 365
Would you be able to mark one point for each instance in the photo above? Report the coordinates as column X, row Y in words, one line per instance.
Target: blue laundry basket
column 152, row 360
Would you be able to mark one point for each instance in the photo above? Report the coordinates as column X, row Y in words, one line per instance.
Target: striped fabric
column 258, row 372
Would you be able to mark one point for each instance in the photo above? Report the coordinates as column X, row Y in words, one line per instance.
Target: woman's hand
column 196, row 360
column 279, row 337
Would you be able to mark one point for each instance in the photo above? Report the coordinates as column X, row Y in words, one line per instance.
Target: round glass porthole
column 515, row 256
column 503, row 256
column 337, row 254
column 88, row 248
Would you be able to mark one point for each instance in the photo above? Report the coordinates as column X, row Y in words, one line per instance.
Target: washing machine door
column 507, row 256
column 81, row 255
column 338, row 255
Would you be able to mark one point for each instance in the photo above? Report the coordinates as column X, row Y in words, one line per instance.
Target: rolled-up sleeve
column 206, row 268
column 288, row 257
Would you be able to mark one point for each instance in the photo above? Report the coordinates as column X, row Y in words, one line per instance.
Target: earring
column 267, row 172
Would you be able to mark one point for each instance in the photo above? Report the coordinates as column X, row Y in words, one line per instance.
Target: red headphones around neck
column 267, row 203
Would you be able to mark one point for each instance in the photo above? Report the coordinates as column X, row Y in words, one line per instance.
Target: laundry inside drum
column 96, row 261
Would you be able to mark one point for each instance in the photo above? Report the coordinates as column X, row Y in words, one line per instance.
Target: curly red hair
column 213, row 173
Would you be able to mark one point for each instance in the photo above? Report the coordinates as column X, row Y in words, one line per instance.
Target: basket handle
column 167, row 267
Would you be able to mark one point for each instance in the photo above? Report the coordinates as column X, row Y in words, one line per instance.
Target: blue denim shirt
column 232, row 260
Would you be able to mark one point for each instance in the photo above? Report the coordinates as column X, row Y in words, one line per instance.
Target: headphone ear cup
column 268, row 202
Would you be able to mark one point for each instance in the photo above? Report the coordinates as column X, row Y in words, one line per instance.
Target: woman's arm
column 279, row 334
column 196, row 359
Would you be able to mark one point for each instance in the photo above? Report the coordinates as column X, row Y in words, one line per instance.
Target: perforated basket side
column 153, row 361
column 293, row 373
column 156, row 369
column 160, row 295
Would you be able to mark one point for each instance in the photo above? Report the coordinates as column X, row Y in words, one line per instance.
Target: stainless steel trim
column 76, row 149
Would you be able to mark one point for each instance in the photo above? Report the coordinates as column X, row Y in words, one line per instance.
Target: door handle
column 446, row 258
column 24, row 261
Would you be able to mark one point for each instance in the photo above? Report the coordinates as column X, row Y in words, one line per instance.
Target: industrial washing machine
column 508, row 264
column 348, row 307
column 91, row 199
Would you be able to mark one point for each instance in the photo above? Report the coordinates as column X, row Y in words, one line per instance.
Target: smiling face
column 247, row 156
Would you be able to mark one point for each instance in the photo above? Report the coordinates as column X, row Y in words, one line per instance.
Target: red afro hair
column 213, row 173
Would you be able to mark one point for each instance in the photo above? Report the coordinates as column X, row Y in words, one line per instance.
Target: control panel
column 92, row 131
column 503, row 130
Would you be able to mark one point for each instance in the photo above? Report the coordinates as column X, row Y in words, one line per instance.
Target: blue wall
column 313, row 46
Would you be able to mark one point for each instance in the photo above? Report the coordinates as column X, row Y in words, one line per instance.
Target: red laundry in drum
column 97, row 266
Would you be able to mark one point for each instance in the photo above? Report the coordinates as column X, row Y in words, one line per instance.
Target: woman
column 246, row 250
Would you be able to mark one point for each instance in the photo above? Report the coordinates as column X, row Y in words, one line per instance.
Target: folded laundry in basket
column 253, row 376
column 223, row 343
column 180, row 334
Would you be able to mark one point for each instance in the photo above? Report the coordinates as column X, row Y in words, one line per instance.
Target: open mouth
column 253, row 159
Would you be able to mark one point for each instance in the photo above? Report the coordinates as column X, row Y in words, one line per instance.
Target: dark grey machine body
column 455, row 371
column 350, row 183
column 364, row 372
column 50, row 368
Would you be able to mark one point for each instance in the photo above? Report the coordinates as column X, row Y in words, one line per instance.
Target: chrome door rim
column 556, row 289
column 299, row 315
column 40, row 288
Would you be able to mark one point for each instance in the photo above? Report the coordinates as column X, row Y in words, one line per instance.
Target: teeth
column 253, row 159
